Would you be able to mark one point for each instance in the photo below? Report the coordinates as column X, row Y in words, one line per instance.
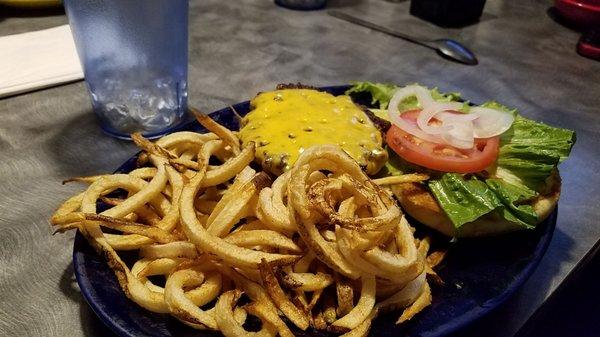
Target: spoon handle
column 361, row 22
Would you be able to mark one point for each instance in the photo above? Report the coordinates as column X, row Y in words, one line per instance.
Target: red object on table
column 589, row 45
column 590, row 51
column 584, row 13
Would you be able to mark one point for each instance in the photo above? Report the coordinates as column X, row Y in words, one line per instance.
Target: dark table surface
column 237, row 48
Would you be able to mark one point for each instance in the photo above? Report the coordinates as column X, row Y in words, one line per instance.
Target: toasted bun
column 418, row 202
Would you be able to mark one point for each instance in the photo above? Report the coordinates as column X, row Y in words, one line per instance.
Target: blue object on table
column 134, row 55
column 303, row 5
column 479, row 275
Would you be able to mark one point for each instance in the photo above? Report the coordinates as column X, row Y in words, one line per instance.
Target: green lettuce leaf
column 514, row 198
column 466, row 199
column 532, row 150
column 381, row 113
column 497, row 106
column 382, row 93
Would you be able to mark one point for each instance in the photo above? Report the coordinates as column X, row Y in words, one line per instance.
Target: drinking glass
column 134, row 55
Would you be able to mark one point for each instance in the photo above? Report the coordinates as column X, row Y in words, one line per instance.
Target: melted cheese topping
column 285, row 122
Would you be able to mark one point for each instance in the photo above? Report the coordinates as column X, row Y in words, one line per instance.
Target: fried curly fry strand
column 182, row 307
column 263, row 237
column 345, row 296
column 235, row 204
column 272, row 209
column 293, row 313
column 209, row 290
column 307, row 281
column 207, row 242
column 87, row 180
column 423, row 301
column 401, row 179
column 436, row 258
column 319, row 193
column 227, row 324
column 172, row 249
column 362, row 330
column 405, row 296
column 149, row 267
column 125, row 226
column 262, row 311
column 302, row 265
column 230, row 168
column 229, row 137
column 151, row 148
column 229, row 253
column 363, row 308
column 133, row 288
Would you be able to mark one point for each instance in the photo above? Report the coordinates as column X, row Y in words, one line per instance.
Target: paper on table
column 37, row 59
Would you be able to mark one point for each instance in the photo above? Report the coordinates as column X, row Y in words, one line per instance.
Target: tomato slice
column 441, row 157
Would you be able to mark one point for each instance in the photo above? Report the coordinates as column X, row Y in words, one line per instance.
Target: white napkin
column 37, row 59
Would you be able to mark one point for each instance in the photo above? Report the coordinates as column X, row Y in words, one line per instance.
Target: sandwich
column 491, row 170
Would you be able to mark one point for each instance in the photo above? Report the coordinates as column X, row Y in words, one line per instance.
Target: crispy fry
column 235, row 204
column 329, row 312
column 272, row 209
column 222, row 132
column 271, row 284
column 316, row 296
column 266, row 314
column 87, row 180
column 436, row 258
column 303, row 264
column 171, row 249
column 231, row 254
column 423, row 301
column 407, row 295
column 230, row 168
column 433, row 276
column 181, row 306
column 318, row 321
column 363, row 308
column 150, row 147
column 227, row 323
column 149, row 267
column 345, row 296
column 263, row 237
column 362, row 330
column 307, row 281
column 125, row 226
column 401, row 179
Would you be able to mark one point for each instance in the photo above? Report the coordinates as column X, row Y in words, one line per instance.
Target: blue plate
column 479, row 275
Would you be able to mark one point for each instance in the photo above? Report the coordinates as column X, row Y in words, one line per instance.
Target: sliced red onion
column 490, row 122
column 453, row 116
column 460, row 135
column 431, row 110
column 457, row 129
column 424, row 97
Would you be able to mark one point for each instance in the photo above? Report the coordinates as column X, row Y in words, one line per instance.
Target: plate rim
column 451, row 326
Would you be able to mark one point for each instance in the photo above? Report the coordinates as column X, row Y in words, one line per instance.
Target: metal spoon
column 445, row 47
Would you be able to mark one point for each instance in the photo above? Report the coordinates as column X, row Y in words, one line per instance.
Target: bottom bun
column 418, row 202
